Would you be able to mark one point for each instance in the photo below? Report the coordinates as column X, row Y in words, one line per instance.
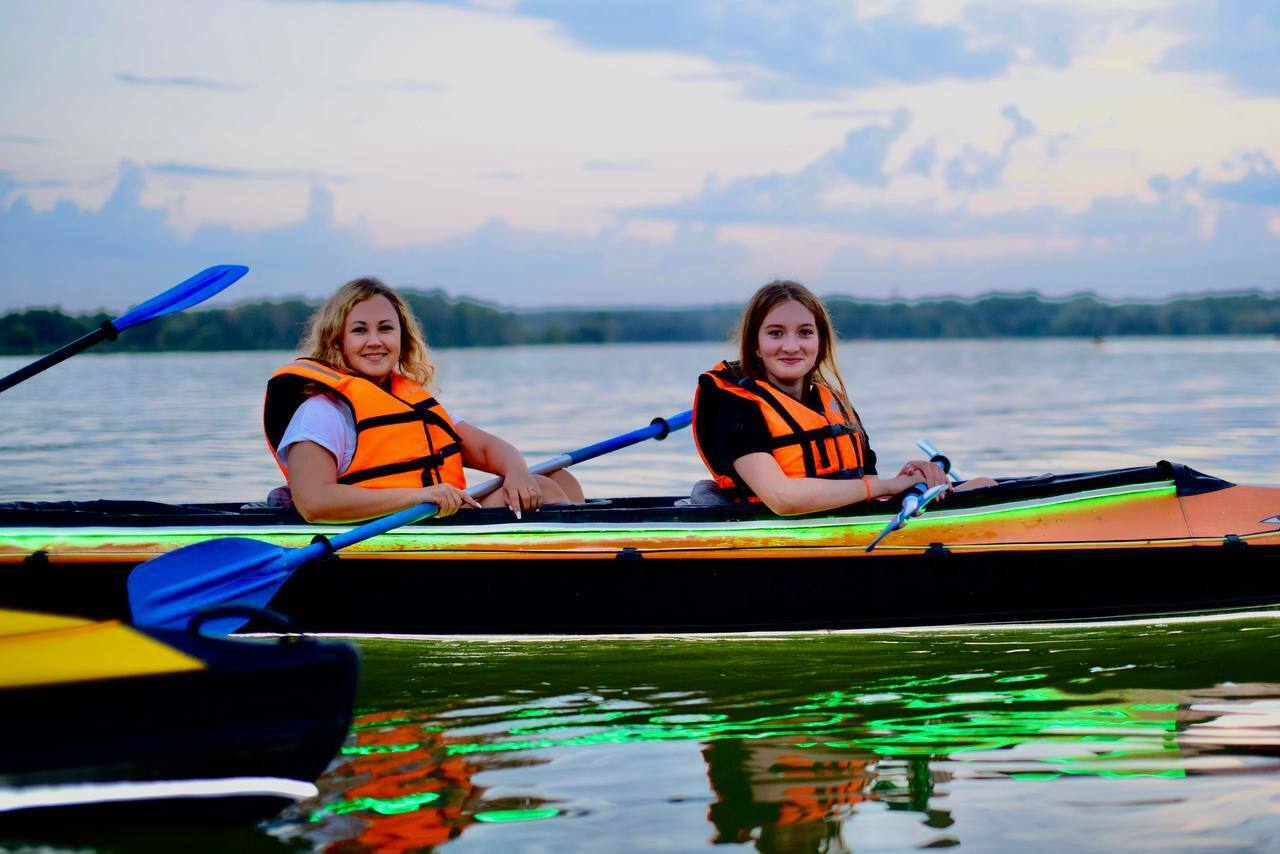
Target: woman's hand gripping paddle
column 167, row 591
column 917, row 497
column 194, row 290
column 936, row 456
column 913, row 504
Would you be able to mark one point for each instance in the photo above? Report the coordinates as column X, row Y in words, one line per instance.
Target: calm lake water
column 188, row 427
column 1160, row 735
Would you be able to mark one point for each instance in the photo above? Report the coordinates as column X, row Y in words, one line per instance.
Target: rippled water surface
column 1161, row 736
column 1157, row 736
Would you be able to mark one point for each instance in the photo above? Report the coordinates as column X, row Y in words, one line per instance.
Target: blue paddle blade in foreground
column 166, row 591
column 194, row 290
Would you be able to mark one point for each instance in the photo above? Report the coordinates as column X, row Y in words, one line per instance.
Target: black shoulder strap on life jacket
column 384, row 420
column 421, row 411
column 428, row 465
column 425, row 410
column 725, row 374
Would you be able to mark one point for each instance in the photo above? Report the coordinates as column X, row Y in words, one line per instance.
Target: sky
column 664, row 152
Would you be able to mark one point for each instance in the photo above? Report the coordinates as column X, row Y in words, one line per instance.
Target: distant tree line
column 467, row 323
column 1033, row 316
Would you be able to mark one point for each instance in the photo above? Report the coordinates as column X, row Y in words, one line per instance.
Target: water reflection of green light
column 383, row 806
column 495, row 816
column 1111, row 773
column 956, row 724
column 376, row 749
column 577, row 719
column 960, row 731
column 803, row 738
column 537, row 713
column 688, row 719
column 660, row 727
column 379, row 723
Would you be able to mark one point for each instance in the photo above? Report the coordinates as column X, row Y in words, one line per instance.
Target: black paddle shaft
column 106, row 332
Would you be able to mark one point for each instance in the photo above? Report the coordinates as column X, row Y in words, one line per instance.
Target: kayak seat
column 705, row 493
column 281, row 496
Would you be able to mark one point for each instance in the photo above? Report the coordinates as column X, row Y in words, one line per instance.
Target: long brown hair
column 825, row 370
column 323, row 341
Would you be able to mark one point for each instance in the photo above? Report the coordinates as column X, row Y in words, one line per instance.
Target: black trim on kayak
column 1187, row 481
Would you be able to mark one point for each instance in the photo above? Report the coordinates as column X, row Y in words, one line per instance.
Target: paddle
column 915, row 499
column 194, row 290
column 913, row 504
column 167, row 591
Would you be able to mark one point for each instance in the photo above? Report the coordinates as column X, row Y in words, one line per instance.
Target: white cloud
column 426, row 123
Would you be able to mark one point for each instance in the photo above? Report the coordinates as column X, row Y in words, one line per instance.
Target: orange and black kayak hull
column 1151, row 540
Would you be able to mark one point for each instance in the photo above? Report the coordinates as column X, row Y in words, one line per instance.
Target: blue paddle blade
column 194, row 290
column 167, row 591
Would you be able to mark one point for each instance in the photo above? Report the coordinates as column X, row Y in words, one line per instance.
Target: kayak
column 1147, row 540
column 105, row 722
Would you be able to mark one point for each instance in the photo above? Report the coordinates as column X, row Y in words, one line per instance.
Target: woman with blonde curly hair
column 776, row 425
column 357, row 433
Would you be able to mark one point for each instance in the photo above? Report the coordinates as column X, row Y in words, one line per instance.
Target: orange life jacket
column 404, row 438
column 805, row 443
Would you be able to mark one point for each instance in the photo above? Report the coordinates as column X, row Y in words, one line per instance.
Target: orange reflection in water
column 781, row 794
column 400, row 790
column 391, row 776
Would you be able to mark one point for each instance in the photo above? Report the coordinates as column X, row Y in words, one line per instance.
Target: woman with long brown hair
column 357, row 433
column 776, row 426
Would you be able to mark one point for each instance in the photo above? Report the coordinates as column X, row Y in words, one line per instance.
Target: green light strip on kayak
column 443, row 539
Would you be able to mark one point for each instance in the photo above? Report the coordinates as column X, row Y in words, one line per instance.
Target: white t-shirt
column 328, row 422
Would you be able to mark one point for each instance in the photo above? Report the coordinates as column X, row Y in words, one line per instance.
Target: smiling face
column 371, row 338
column 788, row 345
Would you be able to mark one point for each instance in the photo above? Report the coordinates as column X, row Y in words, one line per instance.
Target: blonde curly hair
column 323, row 341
